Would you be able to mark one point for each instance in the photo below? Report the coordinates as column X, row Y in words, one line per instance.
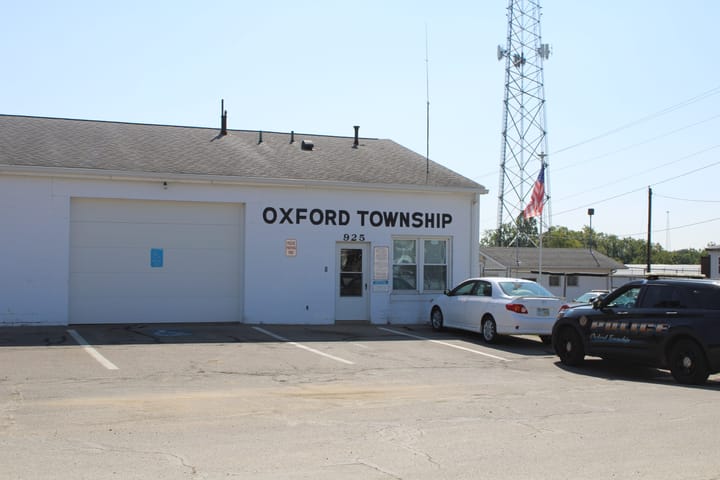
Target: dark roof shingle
column 565, row 260
column 142, row 148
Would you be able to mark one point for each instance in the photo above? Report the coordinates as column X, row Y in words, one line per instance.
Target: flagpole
column 541, row 247
column 534, row 209
column 542, row 169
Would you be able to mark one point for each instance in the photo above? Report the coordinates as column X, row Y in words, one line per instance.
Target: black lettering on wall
column 366, row 218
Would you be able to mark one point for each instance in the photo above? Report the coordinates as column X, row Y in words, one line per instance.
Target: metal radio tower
column 524, row 147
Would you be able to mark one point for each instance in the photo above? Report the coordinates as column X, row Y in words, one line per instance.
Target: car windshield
column 523, row 289
column 586, row 297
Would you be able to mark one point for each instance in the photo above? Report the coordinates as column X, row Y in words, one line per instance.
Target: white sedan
column 497, row 306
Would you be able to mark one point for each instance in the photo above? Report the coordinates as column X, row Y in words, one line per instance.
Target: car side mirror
column 446, row 292
column 597, row 302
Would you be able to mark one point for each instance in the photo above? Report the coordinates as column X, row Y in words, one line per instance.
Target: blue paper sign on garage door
column 156, row 257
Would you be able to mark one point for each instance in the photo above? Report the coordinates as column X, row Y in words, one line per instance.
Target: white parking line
column 283, row 339
column 90, row 350
column 445, row 343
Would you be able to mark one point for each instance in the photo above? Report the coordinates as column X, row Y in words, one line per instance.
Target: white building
column 639, row 271
column 566, row 272
column 711, row 262
column 109, row 222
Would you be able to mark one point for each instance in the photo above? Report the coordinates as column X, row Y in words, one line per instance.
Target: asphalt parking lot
column 330, row 402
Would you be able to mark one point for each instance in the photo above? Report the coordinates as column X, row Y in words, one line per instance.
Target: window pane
column 435, row 252
column 705, row 298
column 351, row 284
column 435, row 264
column 465, row 288
column 351, row 260
column 351, row 274
column 627, row 299
column 404, row 252
column 515, row 289
column 484, row 289
column 404, row 277
column 435, row 277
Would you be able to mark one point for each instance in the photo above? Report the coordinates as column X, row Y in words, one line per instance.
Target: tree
column 523, row 233
column 625, row 250
column 561, row 237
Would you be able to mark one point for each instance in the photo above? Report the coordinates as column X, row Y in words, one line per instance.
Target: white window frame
column 420, row 262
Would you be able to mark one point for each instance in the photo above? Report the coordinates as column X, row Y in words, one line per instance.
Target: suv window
column 703, row 297
column 627, row 299
column 663, row 296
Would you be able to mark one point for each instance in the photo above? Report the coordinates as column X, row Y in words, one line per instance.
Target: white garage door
column 152, row 261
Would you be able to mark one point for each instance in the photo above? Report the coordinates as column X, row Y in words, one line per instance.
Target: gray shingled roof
column 158, row 149
column 554, row 260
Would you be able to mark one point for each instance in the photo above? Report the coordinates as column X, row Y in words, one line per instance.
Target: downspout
column 475, row 236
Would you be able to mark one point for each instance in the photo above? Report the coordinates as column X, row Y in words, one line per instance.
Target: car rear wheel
column 436, row 319
column 687, row 363
column 489, row 330
column 569, row 347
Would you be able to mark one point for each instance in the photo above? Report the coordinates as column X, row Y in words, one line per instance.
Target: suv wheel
column 687, row 363
column 569, row 347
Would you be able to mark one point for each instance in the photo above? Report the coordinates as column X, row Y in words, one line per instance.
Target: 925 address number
column 354, row 237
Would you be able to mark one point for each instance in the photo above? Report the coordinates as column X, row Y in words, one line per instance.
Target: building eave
column 117, row 175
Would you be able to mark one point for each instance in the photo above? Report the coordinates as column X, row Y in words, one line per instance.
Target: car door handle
column 622, row 313
column 671, row 313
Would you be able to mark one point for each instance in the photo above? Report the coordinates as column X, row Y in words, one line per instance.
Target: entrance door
column 352, row 298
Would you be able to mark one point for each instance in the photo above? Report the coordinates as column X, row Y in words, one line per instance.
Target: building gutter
column 117, row 175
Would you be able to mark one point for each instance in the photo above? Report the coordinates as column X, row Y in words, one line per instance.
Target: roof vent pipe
column 357, row 140
column 223, row 118
column 259, row 137
column 306, row 145
column 292, row 136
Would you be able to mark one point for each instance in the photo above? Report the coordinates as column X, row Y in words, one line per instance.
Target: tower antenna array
column 524, row 134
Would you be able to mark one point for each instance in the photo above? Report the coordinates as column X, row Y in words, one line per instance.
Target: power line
column 702, row 222
column 687, row 199
column 619, row 150
column 637, row 144
column 665, row 111
column 632, row 176
column 690, row 101
column 643, row 188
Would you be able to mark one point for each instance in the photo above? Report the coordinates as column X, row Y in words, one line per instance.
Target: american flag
column 537, row 199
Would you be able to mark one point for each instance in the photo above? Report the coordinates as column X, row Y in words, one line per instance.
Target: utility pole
column 649, row 230
column 591, row 212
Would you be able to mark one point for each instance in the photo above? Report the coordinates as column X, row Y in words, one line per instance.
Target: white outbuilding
column 108, row 222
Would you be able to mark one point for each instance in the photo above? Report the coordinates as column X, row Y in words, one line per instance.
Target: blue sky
column 632, row 88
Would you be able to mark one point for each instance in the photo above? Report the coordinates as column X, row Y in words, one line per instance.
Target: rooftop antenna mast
column 524, row 134
column 427, row 108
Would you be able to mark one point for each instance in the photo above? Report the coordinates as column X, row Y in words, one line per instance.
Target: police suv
column 670, row 324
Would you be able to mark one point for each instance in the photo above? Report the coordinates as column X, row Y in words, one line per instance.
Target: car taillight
column 516, row 307
column 564, row 307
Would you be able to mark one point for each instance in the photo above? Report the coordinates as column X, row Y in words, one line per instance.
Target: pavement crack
column 371, row 466
column 192, row 469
